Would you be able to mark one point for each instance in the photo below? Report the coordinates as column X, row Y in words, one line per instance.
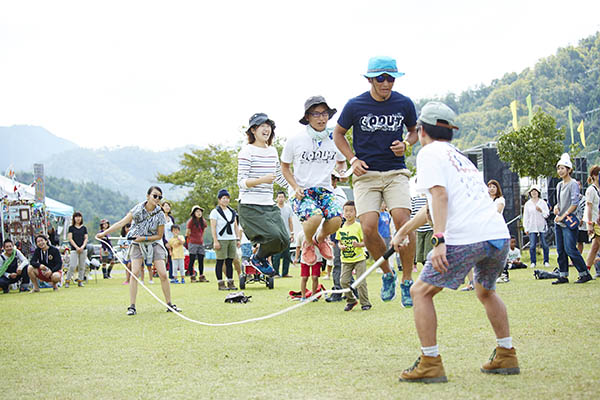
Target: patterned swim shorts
column 487, row 260
column 316, row 201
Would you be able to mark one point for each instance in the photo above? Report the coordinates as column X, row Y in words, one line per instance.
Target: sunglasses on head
column 385, row 77
column 157, row 196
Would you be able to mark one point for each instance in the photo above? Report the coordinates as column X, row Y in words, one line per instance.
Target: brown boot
column 230, row 285
column 202, row 278
column 426, row 370
column 222, row 285
column 502, row 361
column 193, row 278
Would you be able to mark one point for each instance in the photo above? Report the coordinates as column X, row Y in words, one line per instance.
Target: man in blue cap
column 378, row 118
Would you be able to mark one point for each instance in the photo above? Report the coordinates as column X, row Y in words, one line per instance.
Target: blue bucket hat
column 382, row 65
column 223, row 192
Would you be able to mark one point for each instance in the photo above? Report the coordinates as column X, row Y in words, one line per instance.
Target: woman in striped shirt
column 258, row 168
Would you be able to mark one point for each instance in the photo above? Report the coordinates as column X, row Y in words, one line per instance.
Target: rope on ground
column 361, row 278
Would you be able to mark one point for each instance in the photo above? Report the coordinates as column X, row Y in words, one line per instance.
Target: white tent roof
column 27, row 192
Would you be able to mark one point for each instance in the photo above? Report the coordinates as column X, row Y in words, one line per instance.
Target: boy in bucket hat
column 468, row 233
column 314, row 156
column 377, row 119
column 258, row 168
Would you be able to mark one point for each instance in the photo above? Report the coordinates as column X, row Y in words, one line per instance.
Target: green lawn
column 78, row 343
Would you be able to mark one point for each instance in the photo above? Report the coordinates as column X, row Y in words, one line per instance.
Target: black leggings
column 228, row 268
column 200, row 263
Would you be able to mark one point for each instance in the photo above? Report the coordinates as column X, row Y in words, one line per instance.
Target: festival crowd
column 453, row 227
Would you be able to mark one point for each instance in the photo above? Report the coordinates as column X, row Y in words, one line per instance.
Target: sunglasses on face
column 384, row 77
column 319, row 114
column 157, row 196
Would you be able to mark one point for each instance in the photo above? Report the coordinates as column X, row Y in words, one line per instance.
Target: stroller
column 251, row 275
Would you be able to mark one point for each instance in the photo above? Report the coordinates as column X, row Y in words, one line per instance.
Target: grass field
column 78, row 343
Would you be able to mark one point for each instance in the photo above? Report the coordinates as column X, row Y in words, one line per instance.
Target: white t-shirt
column 313, row 161
column 221, row 223
column 472, row 216
column 514, row 255
column 591, row 196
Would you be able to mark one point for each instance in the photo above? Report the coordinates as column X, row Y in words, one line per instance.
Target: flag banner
column 571, row 125
column 529, row 107
column 581, row 133
column 513, row 109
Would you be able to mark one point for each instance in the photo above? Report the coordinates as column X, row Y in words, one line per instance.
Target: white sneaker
column 547, row 265
column 532, row 265
column 151, row 282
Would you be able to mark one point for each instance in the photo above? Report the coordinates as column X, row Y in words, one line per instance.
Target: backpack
column 238, row 297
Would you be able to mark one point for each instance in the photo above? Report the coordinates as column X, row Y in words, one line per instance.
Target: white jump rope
column 361, row 278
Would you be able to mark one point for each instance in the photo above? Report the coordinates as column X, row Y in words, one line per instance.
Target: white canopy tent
column 27, row 192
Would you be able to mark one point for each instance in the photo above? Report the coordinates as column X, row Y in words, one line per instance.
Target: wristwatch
column 437, row 239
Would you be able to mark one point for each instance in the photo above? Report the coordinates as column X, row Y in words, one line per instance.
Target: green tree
column 205, row 172
column 533, row 149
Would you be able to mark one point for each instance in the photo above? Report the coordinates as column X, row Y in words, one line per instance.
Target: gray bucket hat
column 313, row 101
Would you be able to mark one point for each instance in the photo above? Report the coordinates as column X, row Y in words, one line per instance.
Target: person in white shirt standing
column 535, row 213
column 469, row 233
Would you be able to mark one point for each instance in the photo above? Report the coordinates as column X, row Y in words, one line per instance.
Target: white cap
column 565, row 161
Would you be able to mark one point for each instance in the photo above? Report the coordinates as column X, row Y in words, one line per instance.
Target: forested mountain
column 571, row 76
column 127, row 170
column 93, row 201
column 24, row 145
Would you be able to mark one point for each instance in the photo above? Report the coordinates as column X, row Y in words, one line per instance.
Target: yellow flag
column 581, row 132
column 513, row 108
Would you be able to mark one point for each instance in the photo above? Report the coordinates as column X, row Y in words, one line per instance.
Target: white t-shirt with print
column 472, row 216
column 313, row 161
column 221, row 223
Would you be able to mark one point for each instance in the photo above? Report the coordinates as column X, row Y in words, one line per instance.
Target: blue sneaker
column 388, row 288
column 405, row 290
column 174, row 281
column 182, row 281
column 262, row 265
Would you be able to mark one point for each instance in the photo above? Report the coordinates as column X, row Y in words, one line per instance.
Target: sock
column 432, row 351
column 505, row 342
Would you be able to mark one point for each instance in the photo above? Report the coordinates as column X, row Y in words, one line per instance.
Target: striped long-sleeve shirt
column 416, row 203
column 255, row 162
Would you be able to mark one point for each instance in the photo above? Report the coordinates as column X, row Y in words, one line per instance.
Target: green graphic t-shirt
column 346, row 235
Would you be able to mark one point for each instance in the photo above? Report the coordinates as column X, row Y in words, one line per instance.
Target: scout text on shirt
column 385, row 123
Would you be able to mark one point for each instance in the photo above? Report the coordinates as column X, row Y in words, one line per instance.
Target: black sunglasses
column 385, row 77
column 157, row 196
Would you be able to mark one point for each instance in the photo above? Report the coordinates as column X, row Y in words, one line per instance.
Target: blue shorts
column 316, row 201
column 485, row 258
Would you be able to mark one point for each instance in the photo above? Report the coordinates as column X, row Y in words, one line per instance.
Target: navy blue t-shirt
column 375, row 125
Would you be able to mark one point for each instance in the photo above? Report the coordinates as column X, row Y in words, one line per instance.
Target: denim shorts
column 316, row 201
column 486, row 260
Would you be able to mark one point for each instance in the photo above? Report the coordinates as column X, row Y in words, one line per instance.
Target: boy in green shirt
column 351, row 244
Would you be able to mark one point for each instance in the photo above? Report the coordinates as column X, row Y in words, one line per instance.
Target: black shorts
column 582, row 237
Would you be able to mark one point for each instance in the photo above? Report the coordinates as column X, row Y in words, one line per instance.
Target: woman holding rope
column 147, row 227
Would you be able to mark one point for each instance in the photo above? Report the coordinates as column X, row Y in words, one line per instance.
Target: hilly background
column 569, row 77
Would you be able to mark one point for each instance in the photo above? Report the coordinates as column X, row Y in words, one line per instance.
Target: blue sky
column 160, row 74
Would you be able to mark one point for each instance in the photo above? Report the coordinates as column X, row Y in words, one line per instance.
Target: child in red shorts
column 314, row 270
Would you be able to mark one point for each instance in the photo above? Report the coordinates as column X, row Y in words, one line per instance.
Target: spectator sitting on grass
column 12, row 266
column 45, row 265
